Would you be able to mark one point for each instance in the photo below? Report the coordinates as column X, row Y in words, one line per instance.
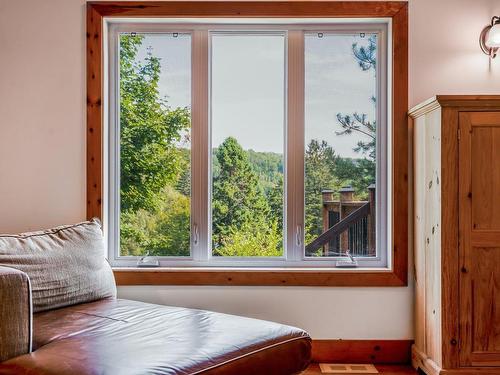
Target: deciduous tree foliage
column 160, row 231
column 154, row 216
column 248, row 186
column 149, row 130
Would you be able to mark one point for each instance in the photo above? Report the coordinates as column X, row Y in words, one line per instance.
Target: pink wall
column 444, row 52
column 42, row 149
column 42, row 94
column 42, row 113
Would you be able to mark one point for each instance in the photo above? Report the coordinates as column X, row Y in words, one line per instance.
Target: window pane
column 340, row 143
column 155, row 183
column 247, row 103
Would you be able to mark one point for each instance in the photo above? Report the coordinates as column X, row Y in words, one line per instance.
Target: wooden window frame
column 397, row 11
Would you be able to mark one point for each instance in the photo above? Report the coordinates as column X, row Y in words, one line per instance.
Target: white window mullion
column 111, row 143
column 200, row 147
column 295, row 147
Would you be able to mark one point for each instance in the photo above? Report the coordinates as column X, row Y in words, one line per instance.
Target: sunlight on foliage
column 248, row 186
column 252, row 241
column 162, row 231
column 241, row 211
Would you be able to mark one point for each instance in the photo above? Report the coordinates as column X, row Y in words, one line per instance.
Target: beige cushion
column 15, row 313
column 66, row 265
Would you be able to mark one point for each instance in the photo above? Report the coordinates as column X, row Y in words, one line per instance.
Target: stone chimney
column 346, row 194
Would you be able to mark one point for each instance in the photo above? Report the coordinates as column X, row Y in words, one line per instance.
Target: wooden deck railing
column 338, row 228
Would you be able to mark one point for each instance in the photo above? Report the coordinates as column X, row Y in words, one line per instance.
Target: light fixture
column 489, row 40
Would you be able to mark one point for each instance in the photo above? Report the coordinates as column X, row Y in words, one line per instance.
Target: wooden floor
column 383, row 369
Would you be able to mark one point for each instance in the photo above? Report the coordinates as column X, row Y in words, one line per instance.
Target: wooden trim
column 397, row 10
column 207, row 9
column 465, row 102
column 428, row 366
column 420, row 361
column 362, row 351
column 425, row 107
column 449, row 238
column 256, row 277
column 400, row 148
column 471, row 371
column 94, row 113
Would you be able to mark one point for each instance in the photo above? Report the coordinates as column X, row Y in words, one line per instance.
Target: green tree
column 268, row 166
column 155, row 179
column 366, row 57
column 320, row 174
column 183, row 184
column 240, row 210
column 253, row 240
column 359, row 173
column 162, row 231
column 275, row 200
column 150, row 130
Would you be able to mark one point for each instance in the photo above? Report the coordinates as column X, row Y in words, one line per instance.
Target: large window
column 250, row 144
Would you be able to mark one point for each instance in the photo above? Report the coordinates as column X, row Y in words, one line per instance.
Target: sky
column 248, row 86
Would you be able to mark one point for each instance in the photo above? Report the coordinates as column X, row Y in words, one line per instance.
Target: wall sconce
column 489, row 40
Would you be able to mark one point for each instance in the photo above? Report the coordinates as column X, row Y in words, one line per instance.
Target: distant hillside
column 267, row 165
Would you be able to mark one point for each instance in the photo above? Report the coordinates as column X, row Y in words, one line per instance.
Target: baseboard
column 362, row 351
column 420, row 361
column 472, row 371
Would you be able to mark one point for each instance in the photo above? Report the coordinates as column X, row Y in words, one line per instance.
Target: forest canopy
column 247, row 185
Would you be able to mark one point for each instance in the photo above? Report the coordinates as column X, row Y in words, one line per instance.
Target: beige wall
column 444, row 50
column 42, row 151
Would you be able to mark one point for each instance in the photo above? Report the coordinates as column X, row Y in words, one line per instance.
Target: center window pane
column 247, row 121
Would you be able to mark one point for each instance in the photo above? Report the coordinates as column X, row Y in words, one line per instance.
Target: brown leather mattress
column 115, row 337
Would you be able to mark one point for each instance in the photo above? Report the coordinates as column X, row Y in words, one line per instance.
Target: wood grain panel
column 486, row 175
column 427, row 234
column 248, row 276
column 449, row 237
column 419, row 190
column 94, row 113
column 248, row 8
column 432, row 236
column 470, row 276
column 400, row 144
column 485, row 276
column 465, row 198
column 479, row 196
column 362, row 351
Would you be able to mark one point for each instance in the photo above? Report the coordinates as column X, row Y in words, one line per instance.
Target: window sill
column 259, row 277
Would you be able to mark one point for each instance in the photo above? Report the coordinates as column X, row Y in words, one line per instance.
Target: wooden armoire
column 456, row 218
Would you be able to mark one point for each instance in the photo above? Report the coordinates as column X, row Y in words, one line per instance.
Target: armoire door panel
column 485, row 306
column 485, row 177
column 479, row 222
